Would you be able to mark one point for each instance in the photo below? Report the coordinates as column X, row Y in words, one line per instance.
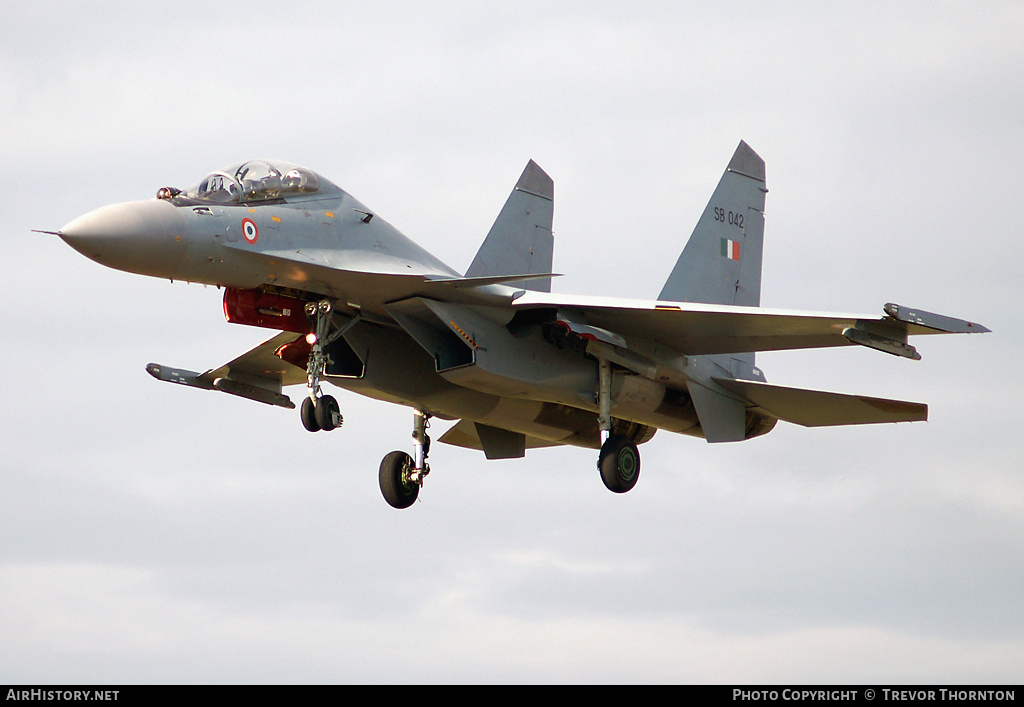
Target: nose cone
column 145, row 237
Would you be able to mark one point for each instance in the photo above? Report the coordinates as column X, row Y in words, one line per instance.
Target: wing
column 698, row 329
column 258, row 374
column 696, row 347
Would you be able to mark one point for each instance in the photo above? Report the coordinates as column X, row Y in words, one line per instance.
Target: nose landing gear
column 318, row 411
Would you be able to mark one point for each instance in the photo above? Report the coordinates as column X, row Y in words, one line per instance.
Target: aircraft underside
column 564, row 396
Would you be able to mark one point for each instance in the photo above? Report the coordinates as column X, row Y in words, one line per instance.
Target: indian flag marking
column 730, row 249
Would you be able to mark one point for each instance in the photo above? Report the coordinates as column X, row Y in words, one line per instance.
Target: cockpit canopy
column 259, row 180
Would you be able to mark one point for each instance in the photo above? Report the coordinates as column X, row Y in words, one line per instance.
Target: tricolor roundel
column 250, row 231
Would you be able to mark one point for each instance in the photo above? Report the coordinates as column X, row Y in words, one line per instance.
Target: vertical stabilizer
column 520, row 242
column 721, row 263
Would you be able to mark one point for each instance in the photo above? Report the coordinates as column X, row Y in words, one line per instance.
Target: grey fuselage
column 517, row 375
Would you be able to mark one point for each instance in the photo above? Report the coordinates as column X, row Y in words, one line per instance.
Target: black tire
column 308, row 414
column 619, row 463
column 324, row 411
column 395, row 485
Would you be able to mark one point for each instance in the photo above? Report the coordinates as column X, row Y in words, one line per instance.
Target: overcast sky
column 155, row 533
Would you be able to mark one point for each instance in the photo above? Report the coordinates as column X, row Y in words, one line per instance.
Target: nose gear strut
column 318, row 411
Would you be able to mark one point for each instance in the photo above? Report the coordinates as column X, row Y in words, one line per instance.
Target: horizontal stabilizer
column 816, row 408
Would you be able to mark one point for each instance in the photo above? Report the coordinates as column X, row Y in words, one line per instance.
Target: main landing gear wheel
column 619, row 463
column 401, row 475
column 396, row 482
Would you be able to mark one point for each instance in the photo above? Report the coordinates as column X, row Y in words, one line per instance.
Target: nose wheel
column 401, row 475
column 318, row 411
column 321, row 413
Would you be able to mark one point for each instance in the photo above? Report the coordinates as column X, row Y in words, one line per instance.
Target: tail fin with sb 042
column 721, row 263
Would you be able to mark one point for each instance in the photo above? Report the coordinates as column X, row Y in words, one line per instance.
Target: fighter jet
column 359, row 305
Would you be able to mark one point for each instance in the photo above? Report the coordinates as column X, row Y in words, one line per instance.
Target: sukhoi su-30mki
column 358, row 305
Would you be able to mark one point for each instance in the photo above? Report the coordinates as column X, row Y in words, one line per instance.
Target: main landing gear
column 401, row 475
column 619, row 460
column 319, row 412
column 619, row 463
